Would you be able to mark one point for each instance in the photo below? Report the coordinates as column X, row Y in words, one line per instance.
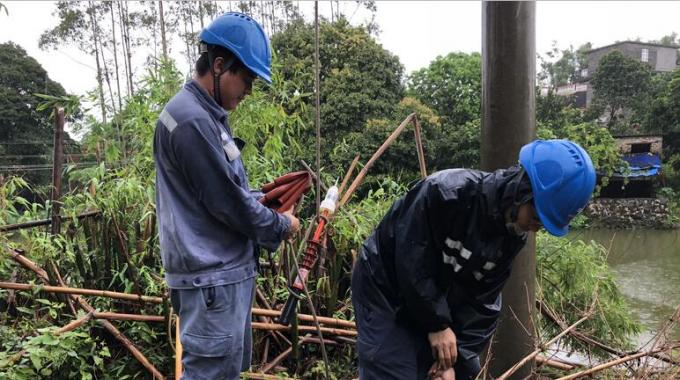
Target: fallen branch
column 612, row 363
column 542, row 360
column 79, row 291
column 537, row 351
column 545, row 311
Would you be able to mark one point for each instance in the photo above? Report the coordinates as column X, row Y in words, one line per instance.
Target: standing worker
column 427, row 287
column 209, row 222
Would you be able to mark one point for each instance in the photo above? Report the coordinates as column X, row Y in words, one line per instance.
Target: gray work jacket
column 209, row 222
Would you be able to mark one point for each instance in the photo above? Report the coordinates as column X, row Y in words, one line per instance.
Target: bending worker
column 426, row 288
column 209, row 222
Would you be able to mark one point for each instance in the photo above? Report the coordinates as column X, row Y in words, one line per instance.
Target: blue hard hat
column 244, row 37
column 562, row 179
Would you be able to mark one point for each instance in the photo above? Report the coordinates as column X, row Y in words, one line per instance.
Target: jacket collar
column 207, row 101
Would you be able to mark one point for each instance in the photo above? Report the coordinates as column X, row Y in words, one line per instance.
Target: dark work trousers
column 215, row 330
column 386, row 348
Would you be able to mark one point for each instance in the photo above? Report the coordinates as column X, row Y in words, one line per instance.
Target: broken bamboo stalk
column 76, row 323
column 129, row 317
column 362, row 174
column 107, row 325
column 308, row 318
column 79, row 291
column 18, row 256
column 537, row 351
column 618, row 361
column 278, row 327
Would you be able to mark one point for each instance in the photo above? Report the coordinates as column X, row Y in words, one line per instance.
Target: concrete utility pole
column 508, row 122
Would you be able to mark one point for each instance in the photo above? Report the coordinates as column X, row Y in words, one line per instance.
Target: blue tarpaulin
column 642, row 165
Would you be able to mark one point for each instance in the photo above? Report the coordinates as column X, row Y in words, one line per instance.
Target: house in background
column 661, row 58
column 644, row 176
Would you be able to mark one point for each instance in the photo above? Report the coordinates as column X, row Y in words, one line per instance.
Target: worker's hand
column 438, row 374
column 294, row 223
column 444, row 348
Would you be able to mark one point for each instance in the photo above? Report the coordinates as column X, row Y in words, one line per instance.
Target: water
column 646, row 265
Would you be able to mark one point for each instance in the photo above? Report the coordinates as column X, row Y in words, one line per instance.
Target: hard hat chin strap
column 210, row 50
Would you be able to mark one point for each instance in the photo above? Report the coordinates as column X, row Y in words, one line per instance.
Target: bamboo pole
column 362, row 174
column 354, row 163
column 537, row 351
column 129, row 317
column 57, row 156
column 419, row 147
column 79, row 291
column 278, row 327
column 42, row 222
column 308, row 318
column 178, row 350
column 612, row 363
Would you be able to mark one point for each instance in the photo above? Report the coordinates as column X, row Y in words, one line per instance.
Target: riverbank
column 631, row 213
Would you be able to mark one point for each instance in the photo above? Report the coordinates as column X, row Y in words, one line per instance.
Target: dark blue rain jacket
column 442, row 254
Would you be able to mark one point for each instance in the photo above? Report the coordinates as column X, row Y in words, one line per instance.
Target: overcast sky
column 416, row 31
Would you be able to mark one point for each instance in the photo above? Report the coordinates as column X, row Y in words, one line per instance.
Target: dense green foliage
column 363, row 99
column 25, row 130
column 452, row 86
column 561, row 67
column 360, row 80
column 620, row 83
column 119, row 251
column 572, row 277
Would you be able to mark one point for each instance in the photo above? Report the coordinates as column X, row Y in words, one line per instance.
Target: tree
column 450, row 85
column 79, row 25
column 360, row 80
column 25, row 132
column 620, row 83
column 567, row 68
column 664, row 115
